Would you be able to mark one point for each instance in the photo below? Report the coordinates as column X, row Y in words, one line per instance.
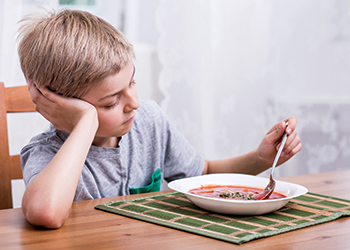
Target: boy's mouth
column 130, row 120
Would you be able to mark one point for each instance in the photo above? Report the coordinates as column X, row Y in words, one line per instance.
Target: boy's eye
column 133, row 82
column 111, row 106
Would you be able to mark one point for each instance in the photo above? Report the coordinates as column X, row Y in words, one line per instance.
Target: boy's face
column 115, row 100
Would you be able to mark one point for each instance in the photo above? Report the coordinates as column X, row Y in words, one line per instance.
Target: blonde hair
column 71, row 50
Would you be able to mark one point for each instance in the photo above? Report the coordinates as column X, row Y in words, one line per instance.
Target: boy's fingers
column 42, row 104
column 45, row 92
column 35, row 95
column 276, row 131
column 296, row 149
column 52, row 97
column 297, row 146
column 290, row 142
column 295, row 141
column 292, row 123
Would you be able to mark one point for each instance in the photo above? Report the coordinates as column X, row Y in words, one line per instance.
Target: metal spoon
column 272, row 184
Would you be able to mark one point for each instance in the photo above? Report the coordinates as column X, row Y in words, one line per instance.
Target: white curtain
column 232, row 69
column 9, row 15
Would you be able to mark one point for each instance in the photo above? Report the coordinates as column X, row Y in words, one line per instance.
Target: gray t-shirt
column 152, row 143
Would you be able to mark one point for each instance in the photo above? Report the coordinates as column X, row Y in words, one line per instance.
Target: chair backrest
column 12, row 100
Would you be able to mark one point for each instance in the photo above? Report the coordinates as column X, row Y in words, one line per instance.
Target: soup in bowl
column 232, row 204
column 233, row 192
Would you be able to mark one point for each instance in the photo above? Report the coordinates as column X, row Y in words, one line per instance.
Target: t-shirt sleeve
column 34, row 158
column 181, row 160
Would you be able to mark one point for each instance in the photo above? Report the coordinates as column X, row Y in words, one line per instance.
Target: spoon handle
column 284, row 138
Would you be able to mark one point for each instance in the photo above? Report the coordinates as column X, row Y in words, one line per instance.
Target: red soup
column 232, row 192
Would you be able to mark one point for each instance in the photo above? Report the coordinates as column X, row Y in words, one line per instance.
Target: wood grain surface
column 88, row 228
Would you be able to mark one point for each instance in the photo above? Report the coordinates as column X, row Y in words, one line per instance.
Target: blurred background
column 224, row 71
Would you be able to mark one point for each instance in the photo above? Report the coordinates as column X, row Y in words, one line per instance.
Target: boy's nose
column 133, row 102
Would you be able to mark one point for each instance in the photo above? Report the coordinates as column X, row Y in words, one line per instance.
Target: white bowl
column 237, row 207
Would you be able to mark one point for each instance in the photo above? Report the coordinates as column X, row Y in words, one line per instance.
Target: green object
column 154, row 186
column 176, row 211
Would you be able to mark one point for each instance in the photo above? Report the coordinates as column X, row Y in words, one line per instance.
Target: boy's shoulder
column 51, row 136
column 149, row 119
column 148, row 105
column 149, row 109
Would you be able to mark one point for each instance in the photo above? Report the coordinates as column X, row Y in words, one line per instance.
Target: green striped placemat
column 176, row 211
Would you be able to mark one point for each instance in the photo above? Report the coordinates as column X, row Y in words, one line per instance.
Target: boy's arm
column 262, row 158
column 49, row 196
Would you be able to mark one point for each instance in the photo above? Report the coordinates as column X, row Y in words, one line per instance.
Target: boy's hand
column 64, row 113
column 271, row 142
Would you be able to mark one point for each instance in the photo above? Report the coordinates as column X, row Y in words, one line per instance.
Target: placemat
column 176, row 211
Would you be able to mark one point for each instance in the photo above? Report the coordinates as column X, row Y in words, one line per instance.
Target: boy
column 103, row 141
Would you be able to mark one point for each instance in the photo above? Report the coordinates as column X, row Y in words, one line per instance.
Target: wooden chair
column 12, row 100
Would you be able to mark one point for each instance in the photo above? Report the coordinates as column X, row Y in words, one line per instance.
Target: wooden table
column 87, row 228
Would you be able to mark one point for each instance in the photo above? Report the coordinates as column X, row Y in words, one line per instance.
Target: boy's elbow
column 44, row 216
